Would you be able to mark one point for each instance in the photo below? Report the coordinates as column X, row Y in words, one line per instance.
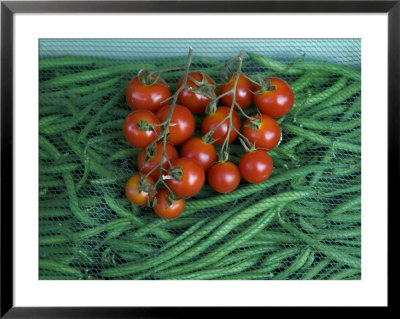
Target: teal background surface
column 343, row 51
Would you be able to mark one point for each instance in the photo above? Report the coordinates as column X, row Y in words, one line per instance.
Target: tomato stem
column 224, row 152
column 165, row 125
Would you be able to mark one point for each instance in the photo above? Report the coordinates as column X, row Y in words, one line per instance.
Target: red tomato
column 192, row 179
column 195, row 102
column 132, row 190
column 244, row 95
column 134, row 135
column 277, row 102
column 145, row 168
column 148, row 97
column 166, row 210
column 202, row 152
column 183, row 120
column 256, row 166
column 212, row 120
column 224, row 177
column 268, row 134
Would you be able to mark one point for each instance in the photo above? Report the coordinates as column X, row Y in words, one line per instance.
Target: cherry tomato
column 212, row 120
column 132, row 190
column 202, row 152
column 166, row 210
column 224, row 177
column 148, row 97
column 195, row 102
column 183, row 120
column 244, row 95
column 192, row 179
column 278, row 101
column 268, row 134
column 256, row 166
column 145, row 168
column 134, row 135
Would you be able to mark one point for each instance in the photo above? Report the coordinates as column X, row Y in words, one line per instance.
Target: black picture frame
column 9, row 8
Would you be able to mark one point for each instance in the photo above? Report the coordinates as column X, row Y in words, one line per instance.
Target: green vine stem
column 164, row 134
column 224, row 152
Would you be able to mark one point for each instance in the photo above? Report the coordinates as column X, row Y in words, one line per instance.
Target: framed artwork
column 164, row 155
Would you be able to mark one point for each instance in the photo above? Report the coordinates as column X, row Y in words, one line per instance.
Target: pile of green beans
column 304, row 222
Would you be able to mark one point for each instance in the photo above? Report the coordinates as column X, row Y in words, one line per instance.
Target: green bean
column 92, row 75
column 54, row 212
column 68, row 123
column 329, row 271
column 238, row 256
column 312, row 272
column 308, row 227
column 275, row 65
column 355, row 108
column 275, row 237
column 85, row 175
column 304, row 211
column 172, row 252
column 343, row 274
column 118, row 112
column 102, row 228
column 335, row 234
column 328, row 251
column 50, row 109
column 346, row 218
column 350, row 189
column 292, row 143
column 53, row 239
column 321, row 96
column 302, row 82
column 354, row 74
column 59, row 169
column 46, row 145
column 299, row 66
column 121, row 245
column 333, row 126
column 187, row 233
column 330, row 153
column 97, row 117
column 261, row 273
column 295, row 266
column 130, row 255
column 121, row 211
column 106, row 137
column 123, row 154
column 341, row 208
column 233, row 243
column 114, row 124
column 310, row 261
column 50, row 183
column 58, row 267
column 57, row 239
column 52, row 63
column 353, row 168
column 219, row 272
column 329, row 112
column 251, row 189
column 101, row 150
column 109, row 180
column 46, row 121
column 323, row 140
column 345, row 94
column 78, row 90
column 95, row 166
column 73, row 202
column 280, row 256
